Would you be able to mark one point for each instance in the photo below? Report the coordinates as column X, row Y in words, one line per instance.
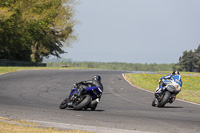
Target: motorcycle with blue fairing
column 168, row 94
column 169, row 86
column 79, row 100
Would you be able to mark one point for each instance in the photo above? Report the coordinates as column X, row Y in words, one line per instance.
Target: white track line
column 85, row 127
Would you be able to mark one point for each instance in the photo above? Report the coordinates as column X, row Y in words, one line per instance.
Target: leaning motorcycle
column 89, row 98
column 168, row 94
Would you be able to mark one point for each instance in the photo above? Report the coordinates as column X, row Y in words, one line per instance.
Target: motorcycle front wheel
column 155, row 102
column 165, row 99
column 86, row 99
column 63, row 105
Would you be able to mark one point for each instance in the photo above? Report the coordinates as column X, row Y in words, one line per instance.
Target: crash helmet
column 175, row 73
column 96, row 78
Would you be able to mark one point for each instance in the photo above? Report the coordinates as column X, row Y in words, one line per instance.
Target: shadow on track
column 97, row 110
column 171, row 107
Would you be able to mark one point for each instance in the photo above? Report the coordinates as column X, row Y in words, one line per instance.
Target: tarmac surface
column 35, row 95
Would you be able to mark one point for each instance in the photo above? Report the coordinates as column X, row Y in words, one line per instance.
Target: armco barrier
column 5, row 62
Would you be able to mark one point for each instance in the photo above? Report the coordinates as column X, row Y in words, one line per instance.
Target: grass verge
column 190, row 89
column 14, row 69
column 19, row 126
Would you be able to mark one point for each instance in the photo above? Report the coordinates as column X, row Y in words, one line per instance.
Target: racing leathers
column 174, row 79
column 89, row 83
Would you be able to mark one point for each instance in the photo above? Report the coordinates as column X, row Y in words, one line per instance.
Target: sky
column 135, row 31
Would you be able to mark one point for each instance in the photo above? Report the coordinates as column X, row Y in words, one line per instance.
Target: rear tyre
column 94, row 107
column 64, row 104
column 85, row 101
column 165, row 99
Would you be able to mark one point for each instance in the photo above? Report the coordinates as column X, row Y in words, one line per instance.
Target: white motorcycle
column 167, row 95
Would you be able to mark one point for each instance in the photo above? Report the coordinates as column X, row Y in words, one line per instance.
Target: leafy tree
column 197, row 59
column 189, row 61
column 34, row 29
column 12, row 45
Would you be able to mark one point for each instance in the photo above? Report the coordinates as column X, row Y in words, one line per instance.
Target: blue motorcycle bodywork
column 94, row 92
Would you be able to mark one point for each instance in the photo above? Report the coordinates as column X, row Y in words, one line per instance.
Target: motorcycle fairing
column 94, row 91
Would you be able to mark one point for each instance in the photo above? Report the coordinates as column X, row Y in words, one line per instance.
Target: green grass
column 182, row 73
column 190, row 89
column 13, row 69
column 14, row 128
column 18, row 126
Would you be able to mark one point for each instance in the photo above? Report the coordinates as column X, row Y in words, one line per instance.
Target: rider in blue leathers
column 174, row 77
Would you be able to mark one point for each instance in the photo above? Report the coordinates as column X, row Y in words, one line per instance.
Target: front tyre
column 165, row 99
column 85, row 101
column 64, row 104
column 155, row 102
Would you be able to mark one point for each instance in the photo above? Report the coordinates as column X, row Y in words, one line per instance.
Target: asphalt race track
column 35, row 95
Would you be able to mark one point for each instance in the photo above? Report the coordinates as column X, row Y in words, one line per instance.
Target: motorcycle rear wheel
column 86, row 100
column 94, row 107
column 165, row 99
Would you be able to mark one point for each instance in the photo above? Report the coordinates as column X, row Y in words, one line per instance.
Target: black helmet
column 96, row 78
column 175, row 73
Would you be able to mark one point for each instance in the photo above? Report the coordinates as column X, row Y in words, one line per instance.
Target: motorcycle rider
column 95, row 82
column 174, row 78
column 81, row 87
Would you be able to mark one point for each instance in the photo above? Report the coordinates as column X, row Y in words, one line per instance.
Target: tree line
column 33, row 29
column 110, row 65
column 189, row 61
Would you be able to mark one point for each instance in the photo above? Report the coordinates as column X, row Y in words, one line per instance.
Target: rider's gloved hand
column 162, row 78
